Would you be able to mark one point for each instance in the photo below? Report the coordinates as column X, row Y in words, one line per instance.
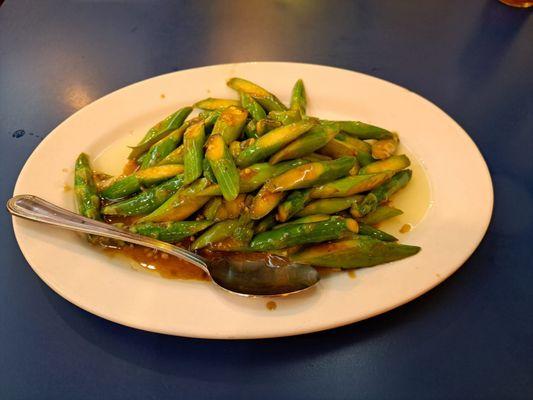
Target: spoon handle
column 36, row 209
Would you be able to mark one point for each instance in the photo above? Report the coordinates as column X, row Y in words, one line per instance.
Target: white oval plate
column 461, row 206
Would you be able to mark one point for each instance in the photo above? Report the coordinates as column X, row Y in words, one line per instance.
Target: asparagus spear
column 174, row 157
column 285, row 117
column 385, row 148
column 311, row 174
column 159, row 131
column 265, row 224
column 264, row 202
column 316, row 138
column 316, row 157
column 344, row 145
column 231, row 209
column 193, row 154
column 266, row 125
column 253, row 107
column 368, row 230
column 357, row 252
column 350, row 185
column 87, row 198
column 250, row 131
column 223, row 166
column 132, row 183
column 210, row 209
column 253, row 177
column 211, row 103
column 271, row 142
column 216, row 233
column 230, row 123
column 210, row 117
column 164, row 147
column 294, row 234
column 305, row 220
column 363, row 131
column 147, row 201
column 265, row 98
column 180, row 205
column 380, row 214
column 171, row 232
column 394, row 163
column 208, row 171
column 294, row 203
column 381, row 194
column 329, row 206
column 299, row 97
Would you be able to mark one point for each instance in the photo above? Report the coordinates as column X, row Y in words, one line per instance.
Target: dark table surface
column 471, row 337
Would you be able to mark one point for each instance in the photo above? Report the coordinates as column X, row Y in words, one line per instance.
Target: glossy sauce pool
column 414, row 200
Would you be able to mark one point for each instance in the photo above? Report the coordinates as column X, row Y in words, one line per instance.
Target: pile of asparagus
column 254, row 175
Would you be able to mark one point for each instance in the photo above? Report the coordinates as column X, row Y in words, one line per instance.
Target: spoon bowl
column 247, row 274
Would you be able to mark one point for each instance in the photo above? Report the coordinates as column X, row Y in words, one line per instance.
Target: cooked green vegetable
column 210, row 117
column 147, row 201
column 164, row 147
column 316, row 157
column 305, row 220
column 317, row 137
column 253, row 177
column 344, row 145
column 180, row 205
column 299, row 97
column 264, row 202
column 127, row 185
column 368, row 230
column 309, row 189
column 159, row 131
column 271, row 142
column 311, row 174
column 219, row 231
column 193, row 155
column 329, row 206
column 253, row 107
column 171, row 232
column 174, row 157
column 238, row 241
column 350, row 185
column 210, row 209
column 363, row 131
column 357, row 252
column 394, row 163
column 266, row 223
column 380, row 214
column 87, row 198
column 265, row 98
column 285, row 117
column 250, row 131
column 208, row 171
column 266, row 125
column 211, row 103
column 360, row 145
column 230, row 123
column 293, row 204
column 223, row 166
column 385, row 148
column 381, row 194
column 365, row 158
column 294, row 234
column 231, row 209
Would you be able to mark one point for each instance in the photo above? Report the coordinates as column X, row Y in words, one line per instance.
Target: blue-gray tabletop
column 471, row 337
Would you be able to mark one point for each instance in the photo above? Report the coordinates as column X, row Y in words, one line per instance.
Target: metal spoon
column 254, row 276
